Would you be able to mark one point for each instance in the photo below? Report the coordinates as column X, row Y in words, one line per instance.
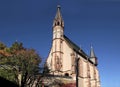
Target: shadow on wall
column 7, row 83
column 70, row 85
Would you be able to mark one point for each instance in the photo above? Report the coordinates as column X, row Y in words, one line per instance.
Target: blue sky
column 86, row 22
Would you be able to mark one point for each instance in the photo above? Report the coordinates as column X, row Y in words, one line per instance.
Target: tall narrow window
column 58, row 23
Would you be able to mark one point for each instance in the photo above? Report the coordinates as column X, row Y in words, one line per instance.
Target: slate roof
column 75, row 47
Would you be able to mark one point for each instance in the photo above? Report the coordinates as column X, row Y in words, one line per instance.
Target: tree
column 2, row 46
column 28, row 65
column 16, row 46
column 23, row 63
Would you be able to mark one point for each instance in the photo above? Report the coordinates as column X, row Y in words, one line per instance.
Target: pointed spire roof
column 58, row 18
column 58, row 14
column 93, row 58
column 92, row 54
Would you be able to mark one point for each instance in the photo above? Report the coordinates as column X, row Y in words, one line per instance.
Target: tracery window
column 58, row 64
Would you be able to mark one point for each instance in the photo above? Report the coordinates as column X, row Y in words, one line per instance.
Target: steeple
column 58, row 21
column 93, row 58
column 92, row 54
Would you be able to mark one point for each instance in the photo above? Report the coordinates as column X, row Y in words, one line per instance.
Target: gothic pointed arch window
column 57, row 63
column 58, row 23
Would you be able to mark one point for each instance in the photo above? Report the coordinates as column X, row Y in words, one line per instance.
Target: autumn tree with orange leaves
column 23, row 63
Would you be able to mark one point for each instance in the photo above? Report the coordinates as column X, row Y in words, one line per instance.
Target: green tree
column 23, row 63
column 16, row 46
column 2, row 46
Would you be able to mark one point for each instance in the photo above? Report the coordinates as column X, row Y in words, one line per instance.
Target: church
column 67, row 59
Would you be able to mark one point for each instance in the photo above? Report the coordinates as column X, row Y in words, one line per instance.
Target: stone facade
column 67, row 59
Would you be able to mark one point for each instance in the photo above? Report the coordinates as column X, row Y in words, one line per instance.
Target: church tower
column 58, row 32
column 58, row 25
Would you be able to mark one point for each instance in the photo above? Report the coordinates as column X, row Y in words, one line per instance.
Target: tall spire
column 93, row 58
column 58, row 21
